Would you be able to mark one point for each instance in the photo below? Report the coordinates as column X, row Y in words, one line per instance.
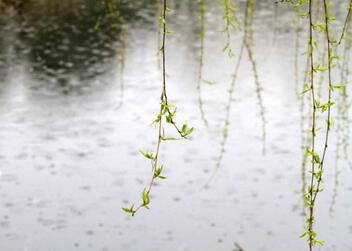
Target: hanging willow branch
column 296, row 56
column 344, row 97
column 202, row 20
column 342, row 125
column 166, row 115
column 317, row 161
column 248, row 43
column 314, row 156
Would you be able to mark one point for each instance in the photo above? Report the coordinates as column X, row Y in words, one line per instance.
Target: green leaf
column 162, row 20
column 126, row 209
column 168, row 139
column 325, row 106
column 319, row 174
column 169, row 31
column 307, row 88
column 158, row 172
column 302, row 14
column 185, row 131
column 209, row 82
column 337, row 86
column 145, row 198
column 314, row 155
column 129, row 210
column 147, row 155
column 319, row 242
column 157, row 120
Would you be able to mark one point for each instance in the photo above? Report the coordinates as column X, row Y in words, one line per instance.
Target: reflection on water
column 60, row 42
column 69, row 159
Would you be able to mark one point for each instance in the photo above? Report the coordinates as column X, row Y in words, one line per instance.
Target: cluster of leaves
column 231, row 22
column 166, row 115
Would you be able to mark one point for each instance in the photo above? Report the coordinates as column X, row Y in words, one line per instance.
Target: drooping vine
column 345, row 101
column 337, row 158
column 298, row 29
column 166, row 114
column 342, row 124
column 248, row 43
column 344, row 75
column 305, row 141
column 317, row 160
column 159, row 39
column 202, row 20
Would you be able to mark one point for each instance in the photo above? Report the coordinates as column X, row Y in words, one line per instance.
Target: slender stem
column 328, row 123
column 202, row 10
column 313, row 133
column 248, row 41
column 305, row 141
column 160, row 24
column 122, row 59
column 345, row 111
column 296, row 63
column 346, row 23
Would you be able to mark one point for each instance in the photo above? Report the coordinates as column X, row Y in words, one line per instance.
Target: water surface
column 69, row 158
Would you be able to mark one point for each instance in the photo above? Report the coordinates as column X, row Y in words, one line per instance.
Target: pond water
column 71, row 131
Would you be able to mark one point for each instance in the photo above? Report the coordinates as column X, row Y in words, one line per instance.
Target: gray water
column 69, row 159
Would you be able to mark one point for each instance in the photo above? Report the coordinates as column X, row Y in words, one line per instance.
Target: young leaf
column 147, row 155
column 145, row 198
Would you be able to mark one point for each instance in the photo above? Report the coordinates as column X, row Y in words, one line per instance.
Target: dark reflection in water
column 61, row 40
